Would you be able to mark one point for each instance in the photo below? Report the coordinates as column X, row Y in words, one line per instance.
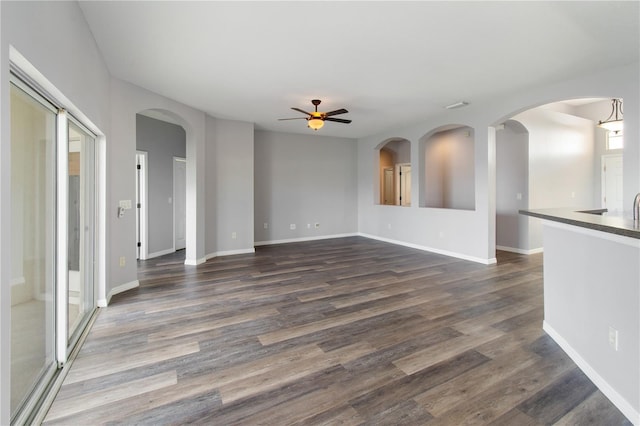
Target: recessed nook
column 448, row 171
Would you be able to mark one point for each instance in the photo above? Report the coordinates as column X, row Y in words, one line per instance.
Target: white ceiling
column 389, row 63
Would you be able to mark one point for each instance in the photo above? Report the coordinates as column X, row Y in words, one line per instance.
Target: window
column 615, row 140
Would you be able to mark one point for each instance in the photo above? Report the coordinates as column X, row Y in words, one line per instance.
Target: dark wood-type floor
column 343, row 331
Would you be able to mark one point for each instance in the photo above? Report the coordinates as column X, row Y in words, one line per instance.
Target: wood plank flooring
column 345, row 331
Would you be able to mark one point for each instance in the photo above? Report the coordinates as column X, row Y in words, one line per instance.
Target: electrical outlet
column 613, row 338
column 122, row 261
column 518, row 196
column 234, row 235
column 292, row 226
column 266, row 225
column 388, row 226
column 317, row 225
column 308, row 226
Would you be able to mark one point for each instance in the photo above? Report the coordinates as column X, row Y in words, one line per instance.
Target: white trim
column 102, row 303
column 143, row 219
column 177, row 160
column 490, row 261
column 229, row 253
column 520, row 251
column 620, row 239
column 297, row 240
column 196, row 262
column 62, row 244
column 160, row 253
column 592, row 374
column 17, row 281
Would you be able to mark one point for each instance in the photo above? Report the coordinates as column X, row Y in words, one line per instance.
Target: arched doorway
column 551, row 156
column 161, row 166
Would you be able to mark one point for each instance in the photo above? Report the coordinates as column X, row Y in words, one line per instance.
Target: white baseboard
column 617, row 399
column 160, row 253
column 297, row 240
column 195, row 262
column 520, row 251
column 489, row 261
column 118, row 289
column 229, row 253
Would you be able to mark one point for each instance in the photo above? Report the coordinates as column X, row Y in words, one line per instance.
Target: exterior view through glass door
column 53, row 220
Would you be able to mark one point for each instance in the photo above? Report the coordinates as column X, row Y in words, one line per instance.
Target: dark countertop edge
column 611, row 225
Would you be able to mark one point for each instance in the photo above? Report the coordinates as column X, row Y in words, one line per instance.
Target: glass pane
column 80, row 238
column 33, row 132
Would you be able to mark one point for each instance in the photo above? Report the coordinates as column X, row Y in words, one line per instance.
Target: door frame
column 175, row 161
column 142, row 219
column 398, row 169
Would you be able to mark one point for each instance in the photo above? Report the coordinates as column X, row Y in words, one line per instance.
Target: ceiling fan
column 315, row 120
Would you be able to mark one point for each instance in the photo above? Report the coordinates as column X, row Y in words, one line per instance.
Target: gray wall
column 512, row 186
column 230, row 148
column 162, row 141
column 303, row 180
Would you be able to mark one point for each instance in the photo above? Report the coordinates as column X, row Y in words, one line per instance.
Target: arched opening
column 554, row 156
column 393, row 172
column 161, row 167
column 448, row 168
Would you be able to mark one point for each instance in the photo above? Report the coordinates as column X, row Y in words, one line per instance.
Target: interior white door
column 405, row 185
column 612, row 182
column 179, row 203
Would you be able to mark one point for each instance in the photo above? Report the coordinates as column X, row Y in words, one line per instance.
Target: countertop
column 611, row 223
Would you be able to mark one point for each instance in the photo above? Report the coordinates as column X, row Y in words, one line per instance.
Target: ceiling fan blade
column 297, row 118
column 338, row 120
column 336, row 112
column 299, row 110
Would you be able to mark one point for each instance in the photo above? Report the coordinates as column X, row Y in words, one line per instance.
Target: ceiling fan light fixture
column 315, row 123
column 613, row 123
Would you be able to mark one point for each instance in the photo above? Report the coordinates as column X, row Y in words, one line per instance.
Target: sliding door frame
column 66, row 345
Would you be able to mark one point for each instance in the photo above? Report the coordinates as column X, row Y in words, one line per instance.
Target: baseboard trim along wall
column 195, row 262
column 102, row 303
column 297, row 240
column 490, row 261
column 520, row 251
column 605, row 388
column 229, row 253
column 160, row 253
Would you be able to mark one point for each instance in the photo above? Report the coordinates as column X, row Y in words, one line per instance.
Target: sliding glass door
column 33, row 187
column 53, row 221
